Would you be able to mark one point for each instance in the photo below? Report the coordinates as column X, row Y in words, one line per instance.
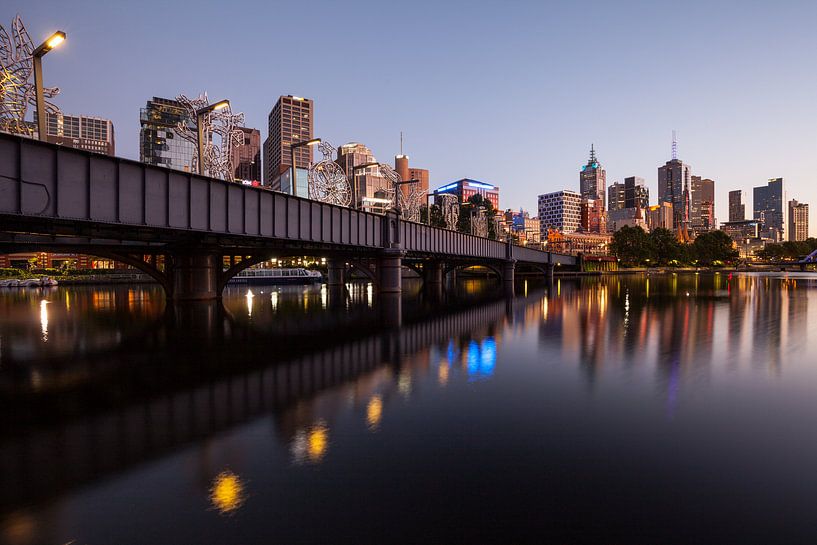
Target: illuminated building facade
column 466, row 188
column 560, row 210
column 798, row 221
column 81, row 132
column 616, row 197
column 659, row 215
column 160, row 142
column 246, row 158
column 737, row 210
column 593, row 218
column 367, row 183
column 674, row 181
column 702, row 204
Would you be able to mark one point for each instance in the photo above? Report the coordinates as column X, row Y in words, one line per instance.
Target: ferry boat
column 277, row 276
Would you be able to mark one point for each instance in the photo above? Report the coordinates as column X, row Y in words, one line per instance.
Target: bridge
column 193, row 233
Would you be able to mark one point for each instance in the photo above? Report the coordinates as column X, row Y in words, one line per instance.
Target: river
column 671, row 408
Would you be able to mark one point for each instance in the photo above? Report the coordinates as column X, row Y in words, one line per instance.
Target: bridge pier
column 337, row 272
column 195, row 276
column 509, row 275
column 389, row 270
column 432, row 273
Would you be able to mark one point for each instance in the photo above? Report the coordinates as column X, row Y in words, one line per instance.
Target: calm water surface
column 631, row 409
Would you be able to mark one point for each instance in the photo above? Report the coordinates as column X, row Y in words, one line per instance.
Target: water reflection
column 302, row 396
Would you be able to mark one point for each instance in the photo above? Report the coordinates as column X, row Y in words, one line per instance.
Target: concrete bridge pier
column 509, row 275
column 194, row 276
column 432, row 273
column 337, row 272
column 389, row 270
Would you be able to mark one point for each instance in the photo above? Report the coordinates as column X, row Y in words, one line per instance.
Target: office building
column 560, row 210
column 742, row 230
column 401, row 166
column 770, row 209
column 246, row 158
column 592, row 178
column 702, row 204
column 369, row 187
column 80, row 131
column 291, row 120
column 160, row 142
column 630, row 217
column 616, row 197
column 798, row 221
column 593, row 218
column 465, row 188
column 674, row 180
column 659, row 216
column 636, row 193
column 737, row 210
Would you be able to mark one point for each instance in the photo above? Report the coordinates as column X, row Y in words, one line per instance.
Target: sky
column 511, row 93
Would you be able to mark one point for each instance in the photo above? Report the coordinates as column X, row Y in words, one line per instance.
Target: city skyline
column 717, row 128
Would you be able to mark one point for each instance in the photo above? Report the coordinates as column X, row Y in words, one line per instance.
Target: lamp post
column 37, row 60
column 397, row 188
column 355, row 168
column 292, row 146
column 200, row 113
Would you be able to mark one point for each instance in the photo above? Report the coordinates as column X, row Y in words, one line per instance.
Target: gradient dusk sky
column 511, row 93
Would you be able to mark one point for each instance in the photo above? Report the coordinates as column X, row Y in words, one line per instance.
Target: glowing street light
column 37, row 59
column 292, row 147
column 200, row 113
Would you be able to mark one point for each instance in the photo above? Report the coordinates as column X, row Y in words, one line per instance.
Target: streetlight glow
column 55, row 40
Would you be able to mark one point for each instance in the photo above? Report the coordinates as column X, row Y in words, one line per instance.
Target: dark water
column 632, row 409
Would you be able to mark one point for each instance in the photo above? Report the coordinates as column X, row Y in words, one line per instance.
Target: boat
column 43, row 282
column 277, row 276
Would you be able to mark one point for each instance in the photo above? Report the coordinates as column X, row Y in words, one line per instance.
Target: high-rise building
column 246, row 158
column 465, row 188
column 636, row 193
column 401, row 165
column 770, row 209
column 368, row 185
column 160, row 142
column 291, row 120
column 659, row 216
column 80, row 131
column 674, row 179
column 616, row 197
column 702, row 204
column 737, row 210
column 798, row 221
column 560, row 210
column 592, row 178
column 741, row 230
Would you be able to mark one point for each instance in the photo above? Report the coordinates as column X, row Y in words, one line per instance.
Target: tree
column 437, row 219
column 714, row 246
column 631, row 245
column 665, row 247
column 468, row 208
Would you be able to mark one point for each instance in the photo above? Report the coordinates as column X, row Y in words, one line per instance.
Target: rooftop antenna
column 592, row 154
column 674, row 147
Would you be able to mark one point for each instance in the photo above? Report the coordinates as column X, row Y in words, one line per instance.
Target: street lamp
column 200, row 113
column 37, row 59
column 355, row 168
column 292, row 147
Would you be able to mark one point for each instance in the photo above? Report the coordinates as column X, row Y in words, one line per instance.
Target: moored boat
column 277, row 276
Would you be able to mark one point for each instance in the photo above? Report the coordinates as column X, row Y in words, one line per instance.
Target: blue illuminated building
column 466, row 188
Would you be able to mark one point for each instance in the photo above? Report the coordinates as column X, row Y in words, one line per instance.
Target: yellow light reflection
column 317, row 443
column 374, row 412
column 404, row 382
column 442, row 374
column 44, row 319
column 227, row 492
column 369, row 294
column 274, row 300
column 249, row 302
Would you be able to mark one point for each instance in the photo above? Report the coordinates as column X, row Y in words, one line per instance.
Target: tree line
column 788, row 250
column 635, row 247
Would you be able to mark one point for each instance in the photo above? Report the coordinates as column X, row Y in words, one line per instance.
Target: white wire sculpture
column 479, row 223
column 218, row 157
column 408, row 203
column 450, row 206
column 327, row 181
column 17, row 80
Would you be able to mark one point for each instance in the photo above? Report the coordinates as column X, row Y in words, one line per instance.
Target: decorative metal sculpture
column 479, row 223
column 17, row 80
column 451, row 209
column 408, row 204
column 327, row 181
column 218, row 158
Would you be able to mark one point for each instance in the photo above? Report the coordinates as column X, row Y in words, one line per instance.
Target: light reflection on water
column 660, row 395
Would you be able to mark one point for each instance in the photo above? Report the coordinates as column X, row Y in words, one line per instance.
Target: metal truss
column 451, row 209
column 17, row 80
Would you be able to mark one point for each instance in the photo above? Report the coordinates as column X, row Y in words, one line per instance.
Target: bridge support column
column 433, row 273
column 195, row 276
column 337, row 272
column 389, row 270
column 509, row 275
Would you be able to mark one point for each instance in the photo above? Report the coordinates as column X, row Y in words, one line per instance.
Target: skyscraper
column 636, row 193
column 80, row 132
column 798, row 221
column 401, row 166
column 674, row 179
column 592, row 178
column 159, row 140
column 737, row 210
column 702, row 204
column 770, row 209
column 291, row 120
column 367, row 184
column 559, row 210
column 246, row 158
column 616, row 197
